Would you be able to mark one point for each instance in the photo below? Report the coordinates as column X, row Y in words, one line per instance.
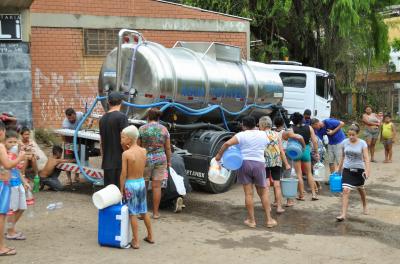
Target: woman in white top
column 252, row 143
column 356, row 169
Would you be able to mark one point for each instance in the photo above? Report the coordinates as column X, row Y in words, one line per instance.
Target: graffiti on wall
column 56, row 92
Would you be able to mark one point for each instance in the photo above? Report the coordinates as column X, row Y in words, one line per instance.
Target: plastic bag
column 319, row 172
column 217, row 173
column 178, row 181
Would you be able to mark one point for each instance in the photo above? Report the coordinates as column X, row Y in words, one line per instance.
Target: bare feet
column 251, row 224
column 386, row 161
column 289, row 203
column 365, row 211
column 271, row 223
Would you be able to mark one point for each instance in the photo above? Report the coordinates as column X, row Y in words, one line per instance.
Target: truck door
column 322, row 107
column 294, row 97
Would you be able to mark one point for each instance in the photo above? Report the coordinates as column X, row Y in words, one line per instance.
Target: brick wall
column 63, row 77
column 142, row 8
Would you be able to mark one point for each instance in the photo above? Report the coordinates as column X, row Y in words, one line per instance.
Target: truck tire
column 220, row 188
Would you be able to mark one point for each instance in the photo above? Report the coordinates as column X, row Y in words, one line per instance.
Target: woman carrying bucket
column 356, row 169
column 252, row 144
column 274, row 159
column 305, row 158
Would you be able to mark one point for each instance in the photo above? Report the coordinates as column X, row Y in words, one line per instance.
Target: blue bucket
column 289, row 187
column 294, row 149
column 335, row 182
column 232, row 158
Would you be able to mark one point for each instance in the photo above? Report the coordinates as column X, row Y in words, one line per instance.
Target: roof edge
column 202, row 10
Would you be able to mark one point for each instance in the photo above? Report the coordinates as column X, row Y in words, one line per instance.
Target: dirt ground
column 210, row 229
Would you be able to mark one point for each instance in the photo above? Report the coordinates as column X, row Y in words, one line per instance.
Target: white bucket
column 107, row 196
column 217, row 173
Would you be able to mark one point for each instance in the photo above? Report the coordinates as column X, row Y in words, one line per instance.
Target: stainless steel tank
column 193, row 74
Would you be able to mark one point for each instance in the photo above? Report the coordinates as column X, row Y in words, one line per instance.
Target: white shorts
column 18, row 198
column 334, row 153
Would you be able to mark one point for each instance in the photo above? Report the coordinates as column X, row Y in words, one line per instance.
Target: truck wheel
column 220, row 188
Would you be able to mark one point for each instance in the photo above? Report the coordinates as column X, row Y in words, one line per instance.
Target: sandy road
column 210, row 230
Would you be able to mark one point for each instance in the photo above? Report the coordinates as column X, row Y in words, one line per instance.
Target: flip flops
column 271, row 225
column 249, row 224
column 17, row 236
column 146, row 239
column 8, row 252
column 340, row 219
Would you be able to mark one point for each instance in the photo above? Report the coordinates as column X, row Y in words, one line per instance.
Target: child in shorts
column 18, row 185
column 5, row 165
column 132, row 183
column 388, row 137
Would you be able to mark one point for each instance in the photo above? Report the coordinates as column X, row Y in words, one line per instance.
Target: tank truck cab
column 305, row 88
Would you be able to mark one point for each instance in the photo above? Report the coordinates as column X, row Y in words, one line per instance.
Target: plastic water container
column 294, row 149
column 216, row 173
column 289, row 187
column 335, row 182
column 232, row 158
column 107, row 196
column 319, row 172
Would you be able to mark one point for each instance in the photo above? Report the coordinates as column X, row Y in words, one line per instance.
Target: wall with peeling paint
column 15, row 81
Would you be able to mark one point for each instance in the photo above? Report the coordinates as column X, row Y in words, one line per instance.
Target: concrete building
column 68, row 42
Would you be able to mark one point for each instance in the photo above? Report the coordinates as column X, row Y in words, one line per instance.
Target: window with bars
column 99, row 42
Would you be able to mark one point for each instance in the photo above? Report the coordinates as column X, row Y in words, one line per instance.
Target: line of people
column 263, row 150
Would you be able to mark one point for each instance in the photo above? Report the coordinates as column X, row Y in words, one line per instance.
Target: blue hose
column 164, row 105
column 76, row 154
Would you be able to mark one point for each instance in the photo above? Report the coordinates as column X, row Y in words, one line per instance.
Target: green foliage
column 340, row 36
column 396, row 45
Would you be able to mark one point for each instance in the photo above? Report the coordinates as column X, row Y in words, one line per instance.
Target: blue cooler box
column 114, row 226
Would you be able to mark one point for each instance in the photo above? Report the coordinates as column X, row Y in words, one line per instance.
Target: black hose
column 193, row 126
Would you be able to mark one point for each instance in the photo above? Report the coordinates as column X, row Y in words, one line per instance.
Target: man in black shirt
column 111, row 125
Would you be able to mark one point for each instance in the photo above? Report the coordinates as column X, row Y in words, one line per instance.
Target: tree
column 340, row 36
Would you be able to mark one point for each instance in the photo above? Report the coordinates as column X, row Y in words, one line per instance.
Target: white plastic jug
column 107, row 196
column 217, row 173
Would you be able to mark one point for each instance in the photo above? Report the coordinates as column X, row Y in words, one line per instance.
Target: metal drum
column 194, row 74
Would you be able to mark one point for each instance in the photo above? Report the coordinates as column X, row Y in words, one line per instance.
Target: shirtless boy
column 50, row 173
column 132, row 183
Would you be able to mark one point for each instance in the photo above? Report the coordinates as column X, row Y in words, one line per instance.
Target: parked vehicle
column 204, row 89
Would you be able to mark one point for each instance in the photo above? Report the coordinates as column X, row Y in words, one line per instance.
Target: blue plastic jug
column 232, row 158
column 289, row 187
column 294, row 149
column 335, row 182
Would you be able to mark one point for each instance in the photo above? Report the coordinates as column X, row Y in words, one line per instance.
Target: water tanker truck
column 211, row 87
column 203, row 89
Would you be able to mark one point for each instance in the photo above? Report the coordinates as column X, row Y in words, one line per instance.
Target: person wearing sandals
column 252, row 143
column 18, row 184
column 355, row 167
column 308, row 135
column 155, row 138
column 371, row 133
column 274, row 159
column 5, row 165
column 284, row 135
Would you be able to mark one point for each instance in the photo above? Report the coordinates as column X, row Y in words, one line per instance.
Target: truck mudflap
column 197, row 168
